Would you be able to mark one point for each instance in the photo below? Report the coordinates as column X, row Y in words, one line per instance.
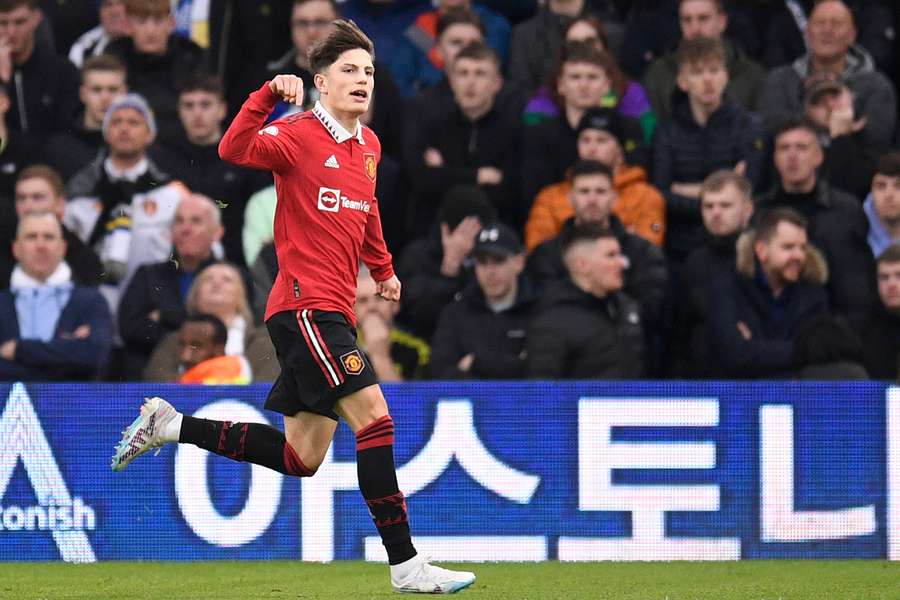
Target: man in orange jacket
column 640, row 206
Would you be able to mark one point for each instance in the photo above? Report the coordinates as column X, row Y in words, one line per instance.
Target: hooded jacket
column 639, row 206
column 873, row 95
column 745, row 297
column 575, row 335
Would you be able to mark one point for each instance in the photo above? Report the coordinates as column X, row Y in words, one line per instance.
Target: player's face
column 475, row 84
column 830, row 31
column 497, row 275
column 347, row 84
column 886, row 197
column 583, row 85
column 602, row 146
column 784, row 256
column 797, row 156
column 704, row 81
column 201, row 113
column 219, row 291
column 112, row 17
column 455, row 38
column 194, row 230
column 128, row 133
column 725, row 211
column 701, row 18
column 310, row 23
column 39, row 247
column 17, row 28
column 150, row 33
column 98, row 89
column 592, row 198
column 196, row 344
column 889, row 285
column 36, row 195
column 606, row 267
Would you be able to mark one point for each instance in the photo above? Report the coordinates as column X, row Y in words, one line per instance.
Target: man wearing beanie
column 122, row 204
column 640, row 206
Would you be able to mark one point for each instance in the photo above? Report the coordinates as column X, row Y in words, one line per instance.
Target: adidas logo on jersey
column 332, row 163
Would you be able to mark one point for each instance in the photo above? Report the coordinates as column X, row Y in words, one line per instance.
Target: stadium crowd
column 595, row 189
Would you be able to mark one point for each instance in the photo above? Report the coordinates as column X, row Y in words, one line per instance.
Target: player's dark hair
column 479, row 51
column 891, row 254
column 796, row 122
column 587, row 232
column 203, row 82
column 889, row 164
column 220, row 332
column 344, row 36
column 769, row 221
column 700, row 49
column 458, row 16
column 590, row 167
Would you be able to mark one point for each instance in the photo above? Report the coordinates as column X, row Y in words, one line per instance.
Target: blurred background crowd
column 594, row 189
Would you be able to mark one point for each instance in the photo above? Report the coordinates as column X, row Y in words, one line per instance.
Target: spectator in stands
column 882, row 206
column 395, row 354
column 43, row 87
column 158, row 62
column 707, row 131
column 726, row 205
column 383, row 21
column 40, row 189
column 219, row 290
column 476, row 144
column 201, row 345
column 639, row 206
column 550, row 146
column 585, row 326
column 17, row 151
column 827, row 349
column 436, row 267
column 838, row 224
column 192, row 157
column 94, row 41
column 153, row 304
column 482, row 334
column 50, row 328
column 626, row 96
column 535, row 43
column 703, row 19
column 831, row 37
column 850, row 158
column 593, row 196
column 102, row 80
column 880, row 330
column 420, row 59
column 122, row 204
column 755, row 313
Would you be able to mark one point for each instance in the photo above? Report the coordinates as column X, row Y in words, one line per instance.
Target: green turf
column 748, row 580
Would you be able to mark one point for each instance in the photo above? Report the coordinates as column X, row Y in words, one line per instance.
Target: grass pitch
column 748, row 580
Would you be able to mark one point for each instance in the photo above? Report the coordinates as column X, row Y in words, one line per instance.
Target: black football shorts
column 320, row 362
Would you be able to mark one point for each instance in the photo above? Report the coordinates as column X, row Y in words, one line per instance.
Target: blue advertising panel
column 518, row 471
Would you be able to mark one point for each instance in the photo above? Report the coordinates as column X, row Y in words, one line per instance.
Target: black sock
column 378, row 484
column 246, row 442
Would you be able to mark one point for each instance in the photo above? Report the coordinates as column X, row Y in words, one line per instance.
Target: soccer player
column 324, row 162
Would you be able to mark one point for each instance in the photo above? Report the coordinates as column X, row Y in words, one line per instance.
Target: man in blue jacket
column 50, row 328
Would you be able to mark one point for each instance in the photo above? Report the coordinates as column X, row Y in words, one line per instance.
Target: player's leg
column 366, row 413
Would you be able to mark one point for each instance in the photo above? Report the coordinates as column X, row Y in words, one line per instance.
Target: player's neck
column 349, row 121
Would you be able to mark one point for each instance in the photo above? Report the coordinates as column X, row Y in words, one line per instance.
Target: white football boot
column 428, row 579
column 145, row 433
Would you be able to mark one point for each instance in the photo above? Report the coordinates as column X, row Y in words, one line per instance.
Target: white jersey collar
column 337, row 131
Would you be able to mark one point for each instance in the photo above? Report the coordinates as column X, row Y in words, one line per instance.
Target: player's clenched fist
column 289, row 87
column 389, row 289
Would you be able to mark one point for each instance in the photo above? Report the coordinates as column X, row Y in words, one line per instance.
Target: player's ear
column 321, row 83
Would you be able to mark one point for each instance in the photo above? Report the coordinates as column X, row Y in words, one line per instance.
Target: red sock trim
column 293, row 465
column 378, row 433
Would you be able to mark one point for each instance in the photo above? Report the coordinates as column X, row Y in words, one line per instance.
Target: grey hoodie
column 874, row 97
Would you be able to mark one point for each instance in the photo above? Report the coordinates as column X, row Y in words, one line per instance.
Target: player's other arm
column 245, row 143
column 376, row 257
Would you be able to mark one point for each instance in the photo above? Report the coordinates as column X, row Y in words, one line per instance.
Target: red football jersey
column 327, row 217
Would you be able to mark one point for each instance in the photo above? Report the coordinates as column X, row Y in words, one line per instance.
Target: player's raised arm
column 247, row 142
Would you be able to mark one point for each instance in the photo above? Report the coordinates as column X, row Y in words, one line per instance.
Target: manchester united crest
column 370, row 165
column 352, row 362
